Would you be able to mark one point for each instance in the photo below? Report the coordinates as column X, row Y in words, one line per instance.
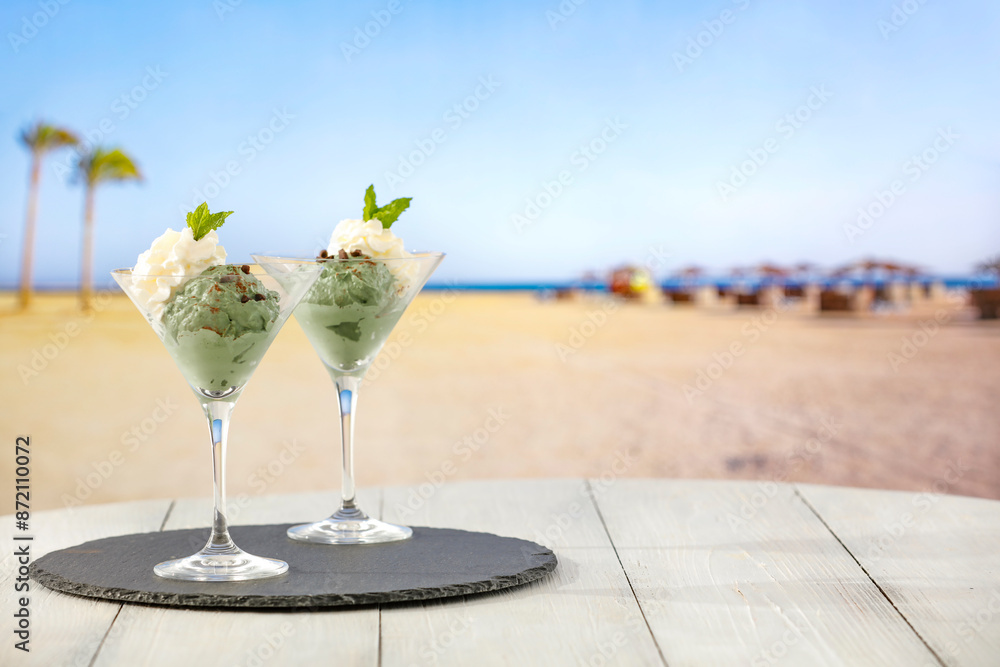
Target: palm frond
column 42, row 137
column 102, row 164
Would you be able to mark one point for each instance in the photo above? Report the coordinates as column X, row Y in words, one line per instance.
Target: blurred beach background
column 719, row 240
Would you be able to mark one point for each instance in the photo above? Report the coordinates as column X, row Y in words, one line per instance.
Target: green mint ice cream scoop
column 217, row 326
column 350, row 311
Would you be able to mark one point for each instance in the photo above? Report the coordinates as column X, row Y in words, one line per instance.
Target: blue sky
column 614, row 132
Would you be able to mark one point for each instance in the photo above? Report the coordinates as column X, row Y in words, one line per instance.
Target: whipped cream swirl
column 367, row 236
column 173, row 259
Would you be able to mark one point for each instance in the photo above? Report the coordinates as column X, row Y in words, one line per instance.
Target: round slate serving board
column 434, row 563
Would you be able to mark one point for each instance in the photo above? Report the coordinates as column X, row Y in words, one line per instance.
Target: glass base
column 207, row 566
column 349, row 526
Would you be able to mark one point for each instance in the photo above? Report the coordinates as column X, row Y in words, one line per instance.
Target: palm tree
column 39, row 139
column 94, row 168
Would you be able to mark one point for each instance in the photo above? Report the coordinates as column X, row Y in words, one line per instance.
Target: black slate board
column 434, row 563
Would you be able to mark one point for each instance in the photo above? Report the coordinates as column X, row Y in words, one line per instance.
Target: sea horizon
column 950, row 281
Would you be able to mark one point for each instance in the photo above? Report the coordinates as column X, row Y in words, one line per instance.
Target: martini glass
column 217, row 325
column 347, row 315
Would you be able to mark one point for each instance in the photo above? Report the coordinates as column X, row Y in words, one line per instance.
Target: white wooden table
column 651, row 572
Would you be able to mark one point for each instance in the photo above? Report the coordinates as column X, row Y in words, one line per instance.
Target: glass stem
column 219, row 413
column 347, row 395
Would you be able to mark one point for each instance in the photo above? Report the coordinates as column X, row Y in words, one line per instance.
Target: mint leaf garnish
column 370, row 207
column 202, row 222
column 386, row 214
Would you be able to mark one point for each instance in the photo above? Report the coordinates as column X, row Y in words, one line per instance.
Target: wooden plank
column 726, row 573
column 584, row 613
column 159, row 636
column 65, row 630
column 744, row 573
column 937, row 557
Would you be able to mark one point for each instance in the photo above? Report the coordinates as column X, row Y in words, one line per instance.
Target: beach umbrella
column 868, row 267
column 630, row 281
column 739, row 275
column 989, row 266
column 690, row 274
column 771, row 270
column 805, row 271
column 771, row 273
column 843, row 271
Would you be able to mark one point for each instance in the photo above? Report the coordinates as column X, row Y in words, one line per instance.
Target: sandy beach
column 480, row 385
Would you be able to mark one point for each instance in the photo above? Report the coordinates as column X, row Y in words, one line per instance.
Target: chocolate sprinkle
column 342, row 254
column 324, row 254
column 356, row 253
column 245, row 269
column 259, row 297
column 244, row 298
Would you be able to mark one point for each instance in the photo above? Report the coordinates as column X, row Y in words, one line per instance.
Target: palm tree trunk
column 87, row 257
column 28, row 251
